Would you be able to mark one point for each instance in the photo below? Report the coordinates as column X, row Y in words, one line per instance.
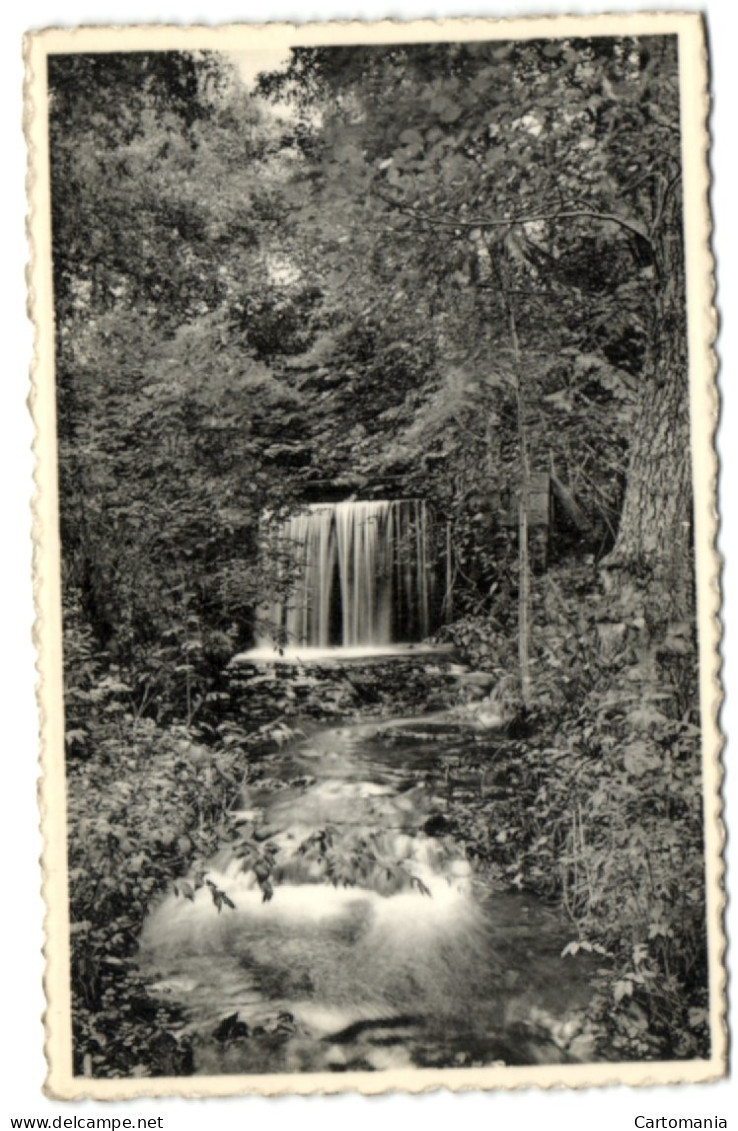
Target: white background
column 21, row 1064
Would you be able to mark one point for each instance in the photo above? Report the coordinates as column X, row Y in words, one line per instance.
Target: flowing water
column 356, row 573
column 381, row 947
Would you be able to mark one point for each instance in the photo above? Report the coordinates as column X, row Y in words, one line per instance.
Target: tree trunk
column 524, row 607
column 651, row 564
column 523, row 519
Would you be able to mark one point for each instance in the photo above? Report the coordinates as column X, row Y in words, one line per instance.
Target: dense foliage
column 417, row 271
column 600, row 806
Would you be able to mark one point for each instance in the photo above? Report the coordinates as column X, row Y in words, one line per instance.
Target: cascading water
column 353, row 574
column 378, row 946
column 355, row 935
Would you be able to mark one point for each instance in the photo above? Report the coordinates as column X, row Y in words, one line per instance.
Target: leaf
column 114, row 686
column 411, row 137
column 675, row 645
column 450, row 112
column 640, row 759
column 447, row 109
column 262, row 869
column 231, row 1027
column 348, row 154
column 622, row 989
column 418, row 884
column 404, row 157
column 698, row 1018
column 484, row 80
column 646, row 717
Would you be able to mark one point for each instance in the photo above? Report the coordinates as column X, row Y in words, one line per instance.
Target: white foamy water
column 268, row 653
column 379, row 948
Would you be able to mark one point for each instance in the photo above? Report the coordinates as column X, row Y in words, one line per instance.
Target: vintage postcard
column 378, row 598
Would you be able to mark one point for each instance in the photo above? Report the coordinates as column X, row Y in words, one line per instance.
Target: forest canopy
column 379, row 214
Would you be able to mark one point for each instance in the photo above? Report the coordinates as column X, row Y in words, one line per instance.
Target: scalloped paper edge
column 704, row 410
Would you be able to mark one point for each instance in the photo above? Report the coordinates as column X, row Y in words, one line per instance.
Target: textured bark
column 653, row 552
column 654, row 536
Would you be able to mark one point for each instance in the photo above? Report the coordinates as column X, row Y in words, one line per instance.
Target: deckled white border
column 695, row 104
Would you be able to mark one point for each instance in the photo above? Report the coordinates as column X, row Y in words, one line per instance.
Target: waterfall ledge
column 360, row 653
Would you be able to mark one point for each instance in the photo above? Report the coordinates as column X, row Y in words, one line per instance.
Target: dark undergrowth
column 593, row 801
column 597, row 805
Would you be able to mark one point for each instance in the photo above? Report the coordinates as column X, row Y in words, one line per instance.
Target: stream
column 381, row 946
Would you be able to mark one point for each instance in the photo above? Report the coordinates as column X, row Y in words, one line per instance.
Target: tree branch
column 515, row 221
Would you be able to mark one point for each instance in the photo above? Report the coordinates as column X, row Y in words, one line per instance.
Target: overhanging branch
column 517, row 221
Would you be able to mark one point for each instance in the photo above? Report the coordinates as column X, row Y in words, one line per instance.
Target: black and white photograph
column 377, row 583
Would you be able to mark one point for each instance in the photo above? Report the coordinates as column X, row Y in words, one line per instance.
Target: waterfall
column 350, row 574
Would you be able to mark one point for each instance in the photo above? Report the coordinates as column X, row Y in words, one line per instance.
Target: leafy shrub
column 145, row 804
column 600, row 808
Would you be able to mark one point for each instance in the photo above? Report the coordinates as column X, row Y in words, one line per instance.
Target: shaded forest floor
column 592, row 802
